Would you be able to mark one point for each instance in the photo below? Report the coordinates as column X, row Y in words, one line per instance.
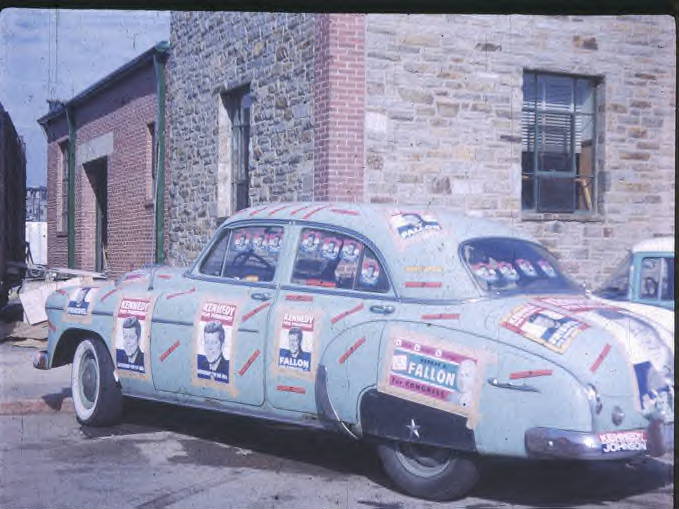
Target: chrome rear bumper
column 655, row 440
column 41, row 360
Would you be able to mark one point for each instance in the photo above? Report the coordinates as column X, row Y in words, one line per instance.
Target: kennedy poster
column 296, row 342
column 213, row 342
column 550, row 328
column 131, row 335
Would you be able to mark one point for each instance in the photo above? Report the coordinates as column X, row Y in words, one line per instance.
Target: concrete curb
column 36, row 406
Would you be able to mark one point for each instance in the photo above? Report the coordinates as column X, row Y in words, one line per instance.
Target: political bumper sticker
column 621, row 441
column 296, row 342
column 213, row 340
column 409, row 224
column 80, row 301
column 550, row 328
column 131, row 335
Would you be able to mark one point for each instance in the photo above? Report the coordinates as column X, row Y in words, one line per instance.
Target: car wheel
column 425, row 471
column 97, row 398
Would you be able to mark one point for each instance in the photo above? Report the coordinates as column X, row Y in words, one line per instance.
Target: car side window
column 252, row 253
column 213, row 262
column 650, row 277
column 333, row 260
column 667, row 284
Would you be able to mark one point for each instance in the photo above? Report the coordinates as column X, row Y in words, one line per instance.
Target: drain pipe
column 71, row 186
column 159, row 60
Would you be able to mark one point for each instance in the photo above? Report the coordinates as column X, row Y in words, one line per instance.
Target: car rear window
column 508, row 265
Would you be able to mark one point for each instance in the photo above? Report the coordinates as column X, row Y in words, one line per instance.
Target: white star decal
column 413, row 428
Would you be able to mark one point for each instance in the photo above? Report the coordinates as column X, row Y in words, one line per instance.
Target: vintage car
column 643, row 282
column 437, row 337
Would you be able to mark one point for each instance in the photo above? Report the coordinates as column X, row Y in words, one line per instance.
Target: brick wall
column 443, row 121
column 113, row 124
column 339, row 95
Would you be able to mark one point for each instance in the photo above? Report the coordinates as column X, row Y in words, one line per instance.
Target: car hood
column 607, row 346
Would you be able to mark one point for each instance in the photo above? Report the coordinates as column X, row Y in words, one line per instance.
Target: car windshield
column 616, row 287
column 506, row 266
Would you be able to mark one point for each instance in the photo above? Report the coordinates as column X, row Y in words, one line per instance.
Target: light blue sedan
column 438, row 337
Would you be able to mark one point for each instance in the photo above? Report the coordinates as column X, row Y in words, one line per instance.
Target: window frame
column 539, row 107
column 284, row 268
column 194, row 271
column 388, row 293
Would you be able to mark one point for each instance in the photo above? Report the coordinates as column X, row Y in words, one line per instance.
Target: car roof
column 365, row 218
column 424, row 266
column 657, row 244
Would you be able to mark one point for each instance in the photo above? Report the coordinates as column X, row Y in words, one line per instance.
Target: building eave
column 161, row 49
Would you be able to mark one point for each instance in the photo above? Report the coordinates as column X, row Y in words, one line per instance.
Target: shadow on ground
column 329, row 456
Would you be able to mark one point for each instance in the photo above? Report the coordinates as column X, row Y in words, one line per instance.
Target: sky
column 57, row 53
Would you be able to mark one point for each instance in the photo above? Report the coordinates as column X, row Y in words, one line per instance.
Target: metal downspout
column 159, row 59
column 71, row 186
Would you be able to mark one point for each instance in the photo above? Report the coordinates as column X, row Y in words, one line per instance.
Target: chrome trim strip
column 102, row 313
column 165, row 321
column 337, row 293
column 508, row 385
column 227, row 281
column 241, row 329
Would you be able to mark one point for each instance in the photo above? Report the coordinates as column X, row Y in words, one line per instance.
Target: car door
column 208, row 339
column 336, row 286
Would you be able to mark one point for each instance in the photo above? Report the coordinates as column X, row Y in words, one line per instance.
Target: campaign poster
column 273, row 242
column 433, row 372
column 296, row 342
column 213, row 342
column 331, row 247
column 412, row 224
column 351, row 250
column 241, row 241
column 132, row 334
column 310, row 241
column 550, row 328
column 370, row 272
column 80, row 301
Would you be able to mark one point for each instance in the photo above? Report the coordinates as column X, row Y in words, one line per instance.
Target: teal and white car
column 643, row 282
column 437, row 337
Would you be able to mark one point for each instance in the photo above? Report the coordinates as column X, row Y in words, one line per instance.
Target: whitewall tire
column 97, row 398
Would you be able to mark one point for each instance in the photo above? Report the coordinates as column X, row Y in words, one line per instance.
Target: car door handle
column 260, row 296
column 385, row 310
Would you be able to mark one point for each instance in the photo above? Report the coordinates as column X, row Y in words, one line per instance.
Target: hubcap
column 423, row 460
column 89, row 380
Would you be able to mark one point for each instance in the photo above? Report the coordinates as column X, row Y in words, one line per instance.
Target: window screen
column 558, row 130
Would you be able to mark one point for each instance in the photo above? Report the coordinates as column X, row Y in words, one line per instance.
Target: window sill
column 148, row 203
column 62, row 234
column 561, row 216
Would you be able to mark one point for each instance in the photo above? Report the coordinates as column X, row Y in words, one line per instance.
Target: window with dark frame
column 558, row 129
column 238, row 103
column 63, row 191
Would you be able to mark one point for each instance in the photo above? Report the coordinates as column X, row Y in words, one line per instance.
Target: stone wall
column 213, row 53
column 443, row 121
